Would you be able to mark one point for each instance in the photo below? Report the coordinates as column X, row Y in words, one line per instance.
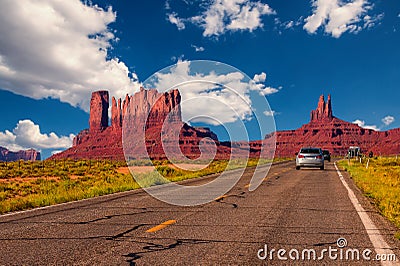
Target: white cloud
column 337, row 16
column 27, row 135
column 225, row 97
column 198, row 94
column 260, row 77
column 271, row 113
column 56, row 151
column 59, row 49
column 289, row 24
column 220, row 16
column 198, row 48
column 178, row 22
column 259, row 85
column 361, row 123
column 268, row 90
column 370, row 22
column 388, row 120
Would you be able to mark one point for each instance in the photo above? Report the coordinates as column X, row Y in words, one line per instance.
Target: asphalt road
column 291, row 210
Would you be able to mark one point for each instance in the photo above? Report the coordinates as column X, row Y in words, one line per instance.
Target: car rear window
column 312, row 151
column 325, row 152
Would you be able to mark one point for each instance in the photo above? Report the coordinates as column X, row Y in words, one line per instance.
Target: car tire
column 297, row 167
column 322, row 167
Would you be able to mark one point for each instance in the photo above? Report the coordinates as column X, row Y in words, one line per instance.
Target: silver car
column 310, row 157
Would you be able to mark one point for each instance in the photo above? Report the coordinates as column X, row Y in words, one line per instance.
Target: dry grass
column 26, row 185
column 380, row 182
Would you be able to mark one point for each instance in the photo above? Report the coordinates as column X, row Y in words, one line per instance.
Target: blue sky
column 53, row 54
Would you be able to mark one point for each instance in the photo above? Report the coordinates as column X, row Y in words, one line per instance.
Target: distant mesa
column 328, row 132
column 26, row 155
column 150, row 110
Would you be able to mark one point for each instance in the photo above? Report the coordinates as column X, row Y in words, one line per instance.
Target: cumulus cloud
column 223, row 97
column 198, row 48
column 338, row 17
column 174, row 19
column 27, row 135
column 220, row 16
column 60, row 49
column 361, row 123
column 388, row 120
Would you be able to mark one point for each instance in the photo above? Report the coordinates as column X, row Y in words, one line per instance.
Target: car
column 310, row 157
column 327, row 155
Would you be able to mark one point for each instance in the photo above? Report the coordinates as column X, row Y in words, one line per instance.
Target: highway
column 292, row 210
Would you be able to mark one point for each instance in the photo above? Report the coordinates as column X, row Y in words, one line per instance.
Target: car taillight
column 301, row 156
column 319, row 157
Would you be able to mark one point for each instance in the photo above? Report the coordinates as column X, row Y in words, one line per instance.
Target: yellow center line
column 221, row 197
column 161, row 226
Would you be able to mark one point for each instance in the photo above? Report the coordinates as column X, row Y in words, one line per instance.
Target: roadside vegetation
column 380, row 182
column 26, row 185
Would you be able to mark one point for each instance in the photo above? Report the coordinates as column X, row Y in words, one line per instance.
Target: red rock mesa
column 328, row 132
column 146, row 109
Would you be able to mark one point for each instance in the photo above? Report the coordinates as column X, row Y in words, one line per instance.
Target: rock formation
column 100, row 140
column 116, row 114
column 98, row 111
column 324, row 110
column 151, row 123
column 27, row 155
column 328, row 132
column 157, row 115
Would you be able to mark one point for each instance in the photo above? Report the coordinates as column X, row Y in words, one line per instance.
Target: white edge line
column 380, row 245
